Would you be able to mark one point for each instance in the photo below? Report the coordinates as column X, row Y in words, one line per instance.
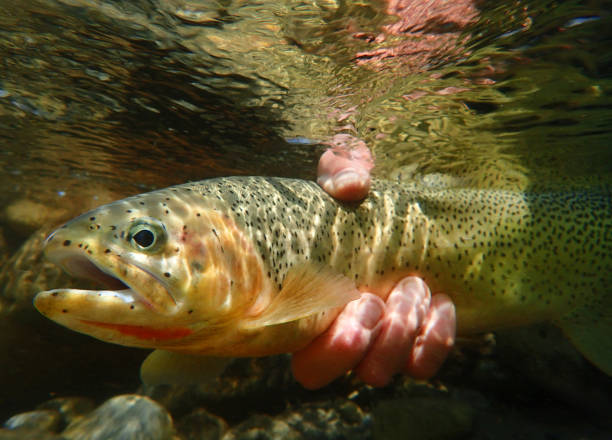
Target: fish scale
column 478, row 245
column 258, row 261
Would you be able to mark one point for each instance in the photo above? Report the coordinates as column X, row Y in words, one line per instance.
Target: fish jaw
column 137, row 308
column 190, row 295
column 103, row 314
column 139, row 318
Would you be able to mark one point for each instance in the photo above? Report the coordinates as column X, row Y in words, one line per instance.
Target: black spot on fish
column 67, row 242
column 65, row 311
column 132, row 307
column 167, row 274
column 106, row 251
column 92, row 219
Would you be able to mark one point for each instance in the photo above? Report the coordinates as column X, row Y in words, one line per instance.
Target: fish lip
column 83, row 266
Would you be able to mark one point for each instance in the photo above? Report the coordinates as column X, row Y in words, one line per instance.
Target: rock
column 246, row 382
column 4, row 248
column 125, row 417
column 262, row 427
column 26, row 216
column 70, row 409
column 201, row 425
column 340, row 419
column 26, row 434
column 424, row 418
column 546, row 361
column 27, row 272
column 39, row 420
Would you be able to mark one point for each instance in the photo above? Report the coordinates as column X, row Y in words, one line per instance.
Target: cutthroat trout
column 252, row 266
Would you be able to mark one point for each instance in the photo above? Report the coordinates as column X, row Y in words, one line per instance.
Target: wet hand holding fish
column 251, row 266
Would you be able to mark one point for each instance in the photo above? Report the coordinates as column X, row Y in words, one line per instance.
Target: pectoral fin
column 165, row 367
column 590, row 330
column 306, row 291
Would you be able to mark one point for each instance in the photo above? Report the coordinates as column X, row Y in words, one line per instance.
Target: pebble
column 125, row 417
column 335, row 420
column 26, row 216
column 262, row 427
column 201, row 425
column 70, row 409
column 27, row 434
column 39, row 420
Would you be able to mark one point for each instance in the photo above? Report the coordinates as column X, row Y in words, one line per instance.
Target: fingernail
column 348, row 177
column 325, row 182
column 369, row 311
column 413, row 283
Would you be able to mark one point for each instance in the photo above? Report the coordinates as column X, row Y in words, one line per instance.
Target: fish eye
column 144, row 238
column 146, row 234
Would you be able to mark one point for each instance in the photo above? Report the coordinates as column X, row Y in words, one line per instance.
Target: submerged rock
column 126, row 417
column 25, row 434
column 26, row 216
column 201, row 425
column 26, row 273
column 39, row 420
column 262, row 427
column 425, row 418
column 546, row 360
column 341, row 419
column 70, row 409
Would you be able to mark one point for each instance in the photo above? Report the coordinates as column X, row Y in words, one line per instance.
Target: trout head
column 177, row 270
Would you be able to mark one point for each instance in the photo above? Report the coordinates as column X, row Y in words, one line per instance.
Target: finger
column 344, row 170
column 436, row 339
column 342, row 346
column 407, row 307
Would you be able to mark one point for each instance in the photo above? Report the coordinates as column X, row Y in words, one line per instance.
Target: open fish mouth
column 115, row 286
column 133, row 309
column 82, row 267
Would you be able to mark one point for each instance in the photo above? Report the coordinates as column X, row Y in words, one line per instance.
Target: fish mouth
column 122, row 314
column 82, row 267
column 121, row 287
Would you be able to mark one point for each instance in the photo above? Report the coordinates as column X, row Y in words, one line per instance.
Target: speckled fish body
column 245, row 266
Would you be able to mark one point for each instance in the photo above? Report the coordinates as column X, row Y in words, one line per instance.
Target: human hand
column 411, row 332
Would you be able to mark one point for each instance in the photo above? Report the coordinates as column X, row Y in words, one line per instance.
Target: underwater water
column 103, row 99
